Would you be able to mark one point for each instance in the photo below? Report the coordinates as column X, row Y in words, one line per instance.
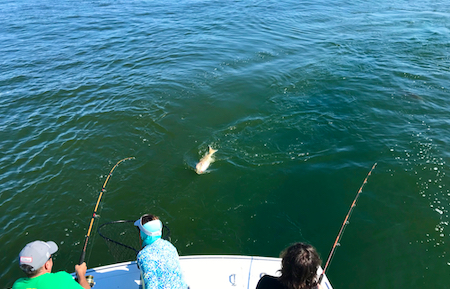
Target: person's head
column 150, row 228
column 36, row 258
column 299, row 266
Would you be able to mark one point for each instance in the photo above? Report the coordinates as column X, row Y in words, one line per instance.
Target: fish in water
column 205, row 161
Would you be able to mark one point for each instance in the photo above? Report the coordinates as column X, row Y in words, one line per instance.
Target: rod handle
column 83, row 254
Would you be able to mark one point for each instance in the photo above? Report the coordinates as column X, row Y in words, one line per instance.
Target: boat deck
column 202, row 271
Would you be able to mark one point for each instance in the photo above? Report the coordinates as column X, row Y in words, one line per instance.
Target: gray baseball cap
column 36, row 253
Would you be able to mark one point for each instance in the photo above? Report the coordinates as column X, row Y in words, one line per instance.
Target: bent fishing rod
column 344, row 224
column 94, row 214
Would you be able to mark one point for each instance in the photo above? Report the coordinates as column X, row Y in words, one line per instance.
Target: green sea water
column 300, row 98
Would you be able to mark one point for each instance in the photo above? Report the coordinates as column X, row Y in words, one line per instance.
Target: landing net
column 122, row 239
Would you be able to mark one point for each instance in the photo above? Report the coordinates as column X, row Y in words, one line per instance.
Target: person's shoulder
column 157, row 248
column 62, row 276
column 168, row 244
column 268, row 281
column 19, row 283
column 165, row 243
column 269, row 278
column 65, row 279
column 62, row 273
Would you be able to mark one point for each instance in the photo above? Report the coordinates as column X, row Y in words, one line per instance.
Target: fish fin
column 211, row 150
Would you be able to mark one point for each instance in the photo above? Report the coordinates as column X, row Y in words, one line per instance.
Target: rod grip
column 83, row 254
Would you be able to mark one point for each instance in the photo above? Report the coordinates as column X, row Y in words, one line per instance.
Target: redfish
column 205, row 161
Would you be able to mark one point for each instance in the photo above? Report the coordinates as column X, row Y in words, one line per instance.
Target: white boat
column 201, row 271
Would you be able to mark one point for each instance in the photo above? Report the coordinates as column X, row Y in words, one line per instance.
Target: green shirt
column 48, row 281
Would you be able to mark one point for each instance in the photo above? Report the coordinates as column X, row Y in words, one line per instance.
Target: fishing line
column 94, row 214
column 344, row 224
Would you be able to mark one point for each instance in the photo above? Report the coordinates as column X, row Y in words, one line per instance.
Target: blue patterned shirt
column 160, row 266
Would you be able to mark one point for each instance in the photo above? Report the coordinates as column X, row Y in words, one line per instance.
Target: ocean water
column 300, row 98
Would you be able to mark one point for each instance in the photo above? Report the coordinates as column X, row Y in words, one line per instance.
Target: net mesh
column 122, row 239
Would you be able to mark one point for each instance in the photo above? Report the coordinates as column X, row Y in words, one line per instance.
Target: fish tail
column 211, row 150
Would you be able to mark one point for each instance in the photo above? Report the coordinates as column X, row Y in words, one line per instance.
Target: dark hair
column 29, row 271
column 299, row 266
column 149, row 217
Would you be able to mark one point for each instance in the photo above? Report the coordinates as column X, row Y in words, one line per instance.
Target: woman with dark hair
column 299, row 266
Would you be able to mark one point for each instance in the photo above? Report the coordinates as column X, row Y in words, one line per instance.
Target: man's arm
column 81, row 275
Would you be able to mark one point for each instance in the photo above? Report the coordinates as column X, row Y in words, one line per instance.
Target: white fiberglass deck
column 204, row 271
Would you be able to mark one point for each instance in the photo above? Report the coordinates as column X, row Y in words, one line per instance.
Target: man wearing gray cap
column 36, row 261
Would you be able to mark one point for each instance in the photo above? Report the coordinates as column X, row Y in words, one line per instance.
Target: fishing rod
column 94, row 214
column 344, row 224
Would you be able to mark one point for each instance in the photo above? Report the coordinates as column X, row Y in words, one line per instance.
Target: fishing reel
column 90, row 280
